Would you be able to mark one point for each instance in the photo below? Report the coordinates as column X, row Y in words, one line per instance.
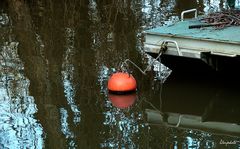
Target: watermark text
column 231, row 142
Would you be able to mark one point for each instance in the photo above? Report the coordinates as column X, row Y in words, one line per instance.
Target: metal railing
column 188, row 11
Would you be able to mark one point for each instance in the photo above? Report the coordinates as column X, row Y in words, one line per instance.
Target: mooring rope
column 124, row 64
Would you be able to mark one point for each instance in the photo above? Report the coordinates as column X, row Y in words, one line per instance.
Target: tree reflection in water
column 18, row 126
column 158, row 13
column 65, row 128
column 124, row 126
column 67, row 75
column 73, row 40
column 69, row 89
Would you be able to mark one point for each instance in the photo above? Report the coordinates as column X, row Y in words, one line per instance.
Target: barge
column 200, row 43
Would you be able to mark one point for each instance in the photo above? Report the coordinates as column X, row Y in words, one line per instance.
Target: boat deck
column 194, row 42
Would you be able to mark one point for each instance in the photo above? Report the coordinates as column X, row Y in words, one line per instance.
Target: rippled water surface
column 56, row 58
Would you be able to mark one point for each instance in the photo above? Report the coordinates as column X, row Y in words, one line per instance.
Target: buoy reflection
column 122, row 101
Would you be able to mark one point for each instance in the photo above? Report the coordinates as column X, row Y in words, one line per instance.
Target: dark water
column 56, row 57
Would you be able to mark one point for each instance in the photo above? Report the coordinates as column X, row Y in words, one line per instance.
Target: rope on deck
column 223, row 19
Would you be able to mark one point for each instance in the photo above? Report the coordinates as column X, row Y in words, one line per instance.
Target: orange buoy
column 122, row 82
column 122, row 101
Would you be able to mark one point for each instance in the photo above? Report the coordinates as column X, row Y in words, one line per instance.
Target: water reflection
column 158, row 13
column 124, row 124
column 213, row 6
column 69, row 89
column 122, row 101
column 67, row 75
column 4, row 20
column 65, row 128
column 189, row 131
column 63, row 46
column 18, row 126
column 124, row 127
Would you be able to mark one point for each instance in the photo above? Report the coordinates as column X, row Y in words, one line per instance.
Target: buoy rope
column 163, row 48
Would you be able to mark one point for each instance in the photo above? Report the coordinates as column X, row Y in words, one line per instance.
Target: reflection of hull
column 193, row 98
column 192, row 122
column 218, row 109
column 122, row 101
column 200, row 96
column 222, row 110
